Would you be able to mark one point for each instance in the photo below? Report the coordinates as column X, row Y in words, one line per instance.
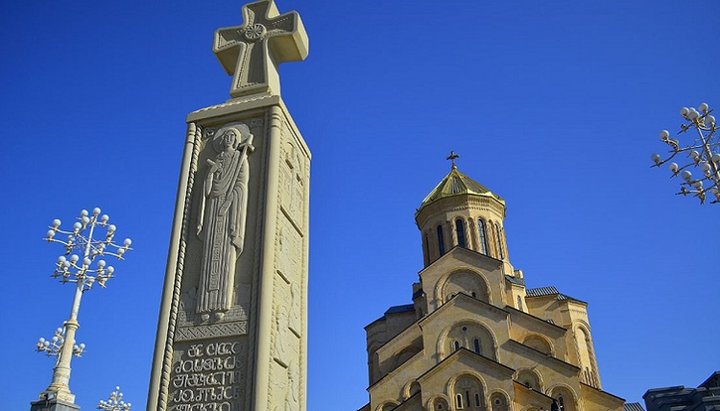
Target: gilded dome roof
column 457, row 183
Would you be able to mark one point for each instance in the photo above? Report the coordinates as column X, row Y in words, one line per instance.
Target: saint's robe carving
column 222, row 217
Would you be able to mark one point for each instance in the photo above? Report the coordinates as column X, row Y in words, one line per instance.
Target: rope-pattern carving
column 194, row 133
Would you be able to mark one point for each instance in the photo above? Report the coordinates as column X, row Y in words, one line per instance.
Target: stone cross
column 251, row 52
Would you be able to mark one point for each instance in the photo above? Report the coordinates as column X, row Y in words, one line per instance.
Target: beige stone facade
column 475, row 338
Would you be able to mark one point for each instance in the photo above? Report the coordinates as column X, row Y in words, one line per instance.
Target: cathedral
column 474, row 337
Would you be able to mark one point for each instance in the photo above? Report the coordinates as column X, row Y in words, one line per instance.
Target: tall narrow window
column 499, row 242
column 460, row 229
column 467, row 398
column 441, row 240
column 481, row 237
column 477, row 345
column 519, row 303
column 561, row 403
column 457, row 345
column 426, row 248
column 459, row 401
column 477, row 400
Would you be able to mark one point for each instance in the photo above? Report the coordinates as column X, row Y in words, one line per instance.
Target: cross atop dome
column 453, row 155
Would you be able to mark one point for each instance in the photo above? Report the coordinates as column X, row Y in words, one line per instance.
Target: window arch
column 440, row 405
column 466, row 282
column 538, row 343
column 585, row 355
column 498, row 237
column 472, row 336
column 498, row 402
column 529, row 379
column 482, row 237
column 469, row 393
column 426, row 248
column 460, row 230
column 441, row 240
column 564, row 399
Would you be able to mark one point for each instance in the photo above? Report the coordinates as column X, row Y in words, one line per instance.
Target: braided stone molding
column 194, row 133
column 211, row 331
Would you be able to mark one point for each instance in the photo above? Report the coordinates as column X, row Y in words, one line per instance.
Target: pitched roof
column 400, row 309
column 550, row 290
column 457, row 183
column 633, row 406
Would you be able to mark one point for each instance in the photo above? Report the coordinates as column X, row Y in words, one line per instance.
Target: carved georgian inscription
column 209, row 377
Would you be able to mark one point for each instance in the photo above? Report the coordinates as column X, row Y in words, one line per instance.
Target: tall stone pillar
column 233, row 320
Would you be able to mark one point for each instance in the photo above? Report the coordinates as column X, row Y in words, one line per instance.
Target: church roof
column 457, row 183
column 545, row 291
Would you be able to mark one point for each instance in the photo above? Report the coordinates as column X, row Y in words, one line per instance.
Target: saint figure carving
column 222, row 217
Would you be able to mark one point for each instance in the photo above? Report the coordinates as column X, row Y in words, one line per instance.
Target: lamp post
column 86, row 246
column 115, row 402
column 703, row 152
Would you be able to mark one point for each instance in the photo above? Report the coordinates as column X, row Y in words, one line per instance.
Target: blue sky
column 556, row 106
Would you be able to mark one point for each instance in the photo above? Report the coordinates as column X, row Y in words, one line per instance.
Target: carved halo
column 239, row 131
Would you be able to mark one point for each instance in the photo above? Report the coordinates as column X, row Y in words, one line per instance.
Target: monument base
column 53, row 405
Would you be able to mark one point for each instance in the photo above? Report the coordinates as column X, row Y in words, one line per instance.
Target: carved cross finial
column 251, row 52
column 452, row 158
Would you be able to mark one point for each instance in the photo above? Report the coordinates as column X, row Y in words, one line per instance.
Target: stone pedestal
column 53, row 405
column 232, row 329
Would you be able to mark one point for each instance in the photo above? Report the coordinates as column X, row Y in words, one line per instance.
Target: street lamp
column 703, row 152
column 115, row 402
column 84, row 239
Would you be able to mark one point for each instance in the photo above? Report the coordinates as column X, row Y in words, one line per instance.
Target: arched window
column 564, row 399
column 426, row 248
column 441, row 405
column 472, row 336
column 459, row 401
column 469, row 393
column 460, row 229
column 499, row 402
column 498, row 237
column 529, row 379
column 441, row 240
column 481, row 237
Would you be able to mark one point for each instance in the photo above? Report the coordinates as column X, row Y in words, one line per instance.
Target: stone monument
column 233, row 320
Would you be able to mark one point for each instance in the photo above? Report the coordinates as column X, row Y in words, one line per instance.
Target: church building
column 474, row 337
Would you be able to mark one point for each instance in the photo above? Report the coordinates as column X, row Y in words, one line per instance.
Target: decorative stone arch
column 590, row 376
column 387, row 406
column 444, row 346
column 503, row 397
column 410, row 388
column 471, row 374
column 530, row 378
column 441, row 400
column 570, row 397
column 442, row 291
column 539, row 343
column 404, row 355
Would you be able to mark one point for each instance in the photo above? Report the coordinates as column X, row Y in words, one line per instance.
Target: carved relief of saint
column 222, row 217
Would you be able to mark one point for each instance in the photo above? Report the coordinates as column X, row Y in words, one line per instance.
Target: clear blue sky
column 556, row 106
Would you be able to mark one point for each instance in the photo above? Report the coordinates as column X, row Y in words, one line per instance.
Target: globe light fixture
column 82, row 264
column 115, row 402
column 701, row 153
